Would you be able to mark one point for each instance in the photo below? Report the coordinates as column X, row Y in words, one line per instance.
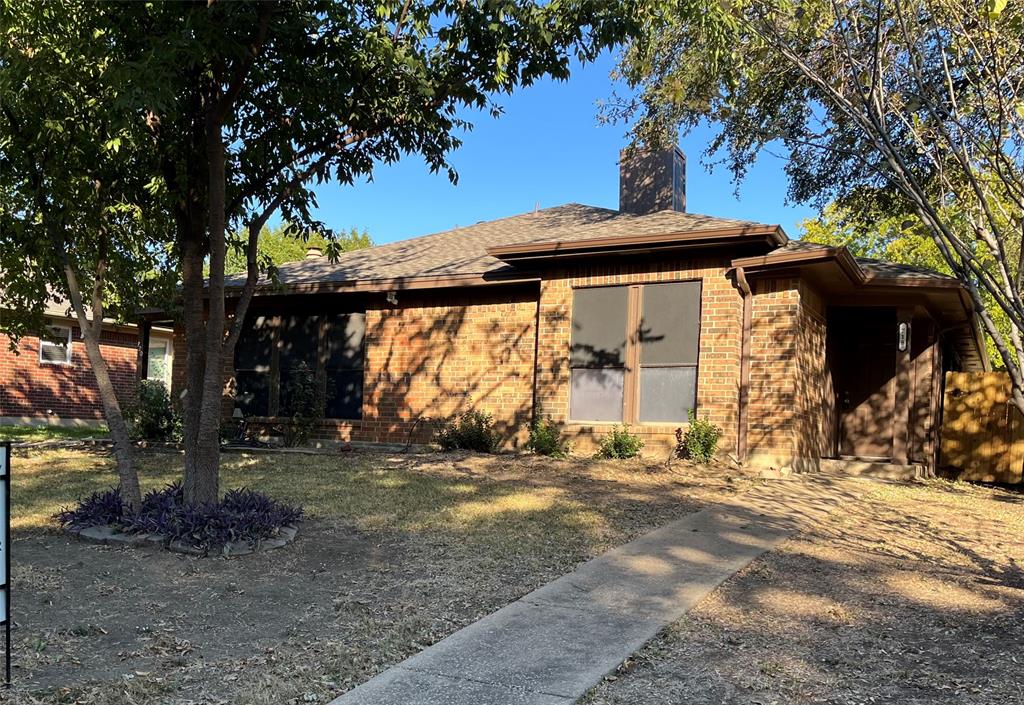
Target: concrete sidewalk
column 551, row 646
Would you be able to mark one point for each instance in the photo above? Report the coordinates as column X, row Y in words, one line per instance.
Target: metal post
column 6, row 446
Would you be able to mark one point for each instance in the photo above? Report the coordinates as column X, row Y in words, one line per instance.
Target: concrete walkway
column 554, row 644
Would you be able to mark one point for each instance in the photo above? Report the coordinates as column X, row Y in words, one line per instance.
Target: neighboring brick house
column 47, row 379
column 595, row 317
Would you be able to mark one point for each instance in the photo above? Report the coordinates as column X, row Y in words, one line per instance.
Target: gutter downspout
column 741, row 432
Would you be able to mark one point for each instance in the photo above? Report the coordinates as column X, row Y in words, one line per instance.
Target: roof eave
column 633, row 244
column 394, row 284
column 859, row 277
column 840, row 255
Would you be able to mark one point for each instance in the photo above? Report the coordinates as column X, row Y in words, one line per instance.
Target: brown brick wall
column 179, row 367
column 792, row 411
column 438, row 354
column 441, row 352
column 926, row 381
column 772, row 350
column 774, row 341
column 718, row 364
column 434, row 355
column 36, row 390
column 815, row 399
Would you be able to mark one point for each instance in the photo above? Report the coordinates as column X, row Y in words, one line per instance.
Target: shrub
column 472, row 430
column 150, row 414
column 620, row 443
column 303, row 402
column 242, row 515
column 98, row 509
column 546, row 439
column 700, row 442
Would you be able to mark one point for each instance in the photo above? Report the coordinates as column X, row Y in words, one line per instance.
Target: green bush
column 472, row 430
column 150, row 415
column 546, row 439
column 700, row 443
column 620, row 444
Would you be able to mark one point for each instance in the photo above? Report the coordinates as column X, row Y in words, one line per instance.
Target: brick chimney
column 652, row 180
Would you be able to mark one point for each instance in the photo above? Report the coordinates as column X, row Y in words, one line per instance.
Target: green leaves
column 994, row 8
column 72, row 190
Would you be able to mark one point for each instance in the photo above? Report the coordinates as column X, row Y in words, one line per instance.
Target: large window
column 634, row 353
column 253, row 357
column 344, row 336
column 297, row 345
column 55, row 345
column 598, row 354
column 277, row 354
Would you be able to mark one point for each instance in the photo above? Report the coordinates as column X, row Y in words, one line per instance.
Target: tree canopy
column 892, row 108
column 225, row 114
column 77, row 223
column 281, row 244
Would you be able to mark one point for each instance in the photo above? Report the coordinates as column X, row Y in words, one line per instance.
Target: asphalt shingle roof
column 877, row 267
column 463, row 251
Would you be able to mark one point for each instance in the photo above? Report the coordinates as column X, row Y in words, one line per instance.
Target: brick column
column 901, row 410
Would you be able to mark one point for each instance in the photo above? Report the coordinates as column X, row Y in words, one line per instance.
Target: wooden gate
column 982, row 431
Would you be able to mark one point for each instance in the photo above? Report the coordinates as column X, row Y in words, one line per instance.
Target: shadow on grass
column 588, row 505
column 911, row 595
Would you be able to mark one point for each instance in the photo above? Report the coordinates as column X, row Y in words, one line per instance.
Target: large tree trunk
column 131, row 494
column 195, row 359
column 202, row 484
column 206, row 335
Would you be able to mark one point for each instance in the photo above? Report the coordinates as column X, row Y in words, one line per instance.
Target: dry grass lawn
column 398, row 551
column 913, row 596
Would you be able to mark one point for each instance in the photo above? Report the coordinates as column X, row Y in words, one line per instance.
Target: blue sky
column 547, row 149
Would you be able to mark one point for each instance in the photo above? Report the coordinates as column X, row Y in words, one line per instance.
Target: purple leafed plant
column 104, row 508
column 242, row 515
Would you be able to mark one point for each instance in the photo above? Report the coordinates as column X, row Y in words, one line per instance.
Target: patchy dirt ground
column 399, row 552
column 915, row 596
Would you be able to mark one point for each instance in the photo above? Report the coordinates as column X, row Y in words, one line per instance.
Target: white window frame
column 67, row 351
column 168, row 358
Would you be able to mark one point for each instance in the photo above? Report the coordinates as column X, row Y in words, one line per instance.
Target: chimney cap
column 314, row 252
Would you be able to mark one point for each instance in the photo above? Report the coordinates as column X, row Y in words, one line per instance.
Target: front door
column 863, row 358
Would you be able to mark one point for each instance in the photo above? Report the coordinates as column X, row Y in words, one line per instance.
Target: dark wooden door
column 864, row 371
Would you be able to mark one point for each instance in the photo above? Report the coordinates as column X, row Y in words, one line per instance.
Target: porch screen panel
column 252, row 366
column 345, row 336
column 298, row 343
column 597, row 358
column 669, row 334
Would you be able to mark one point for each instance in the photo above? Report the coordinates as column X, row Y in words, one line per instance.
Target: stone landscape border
column 108, row 535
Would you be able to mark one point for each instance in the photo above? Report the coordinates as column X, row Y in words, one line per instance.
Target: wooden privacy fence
column 982, row 431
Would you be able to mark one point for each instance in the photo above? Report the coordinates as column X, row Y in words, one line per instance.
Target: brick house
column 596, row 317
column 47, row 378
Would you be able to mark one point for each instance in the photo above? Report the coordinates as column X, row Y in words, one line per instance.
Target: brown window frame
column 632, row 364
